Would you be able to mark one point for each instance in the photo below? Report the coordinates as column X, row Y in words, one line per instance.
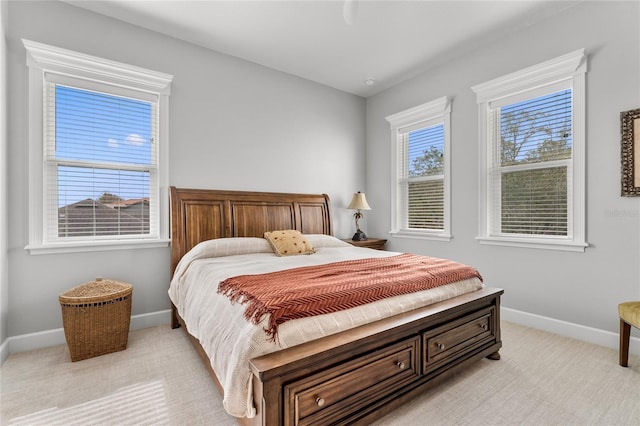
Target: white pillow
column 322, row 240
column 220, row 247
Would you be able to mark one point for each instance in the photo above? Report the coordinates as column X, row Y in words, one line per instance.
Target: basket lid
column 98, row 287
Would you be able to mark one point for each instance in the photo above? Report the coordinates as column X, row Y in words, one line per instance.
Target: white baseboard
column 43, row 339
column 568, row 329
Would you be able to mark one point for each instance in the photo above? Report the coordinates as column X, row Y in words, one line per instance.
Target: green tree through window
column 535, row 139
column 426, row 178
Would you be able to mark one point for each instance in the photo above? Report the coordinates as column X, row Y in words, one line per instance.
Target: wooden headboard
column 204, row 214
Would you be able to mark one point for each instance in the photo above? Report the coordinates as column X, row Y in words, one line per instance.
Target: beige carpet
column 542, row 379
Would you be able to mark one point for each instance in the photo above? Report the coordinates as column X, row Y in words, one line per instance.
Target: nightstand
column 374, row 243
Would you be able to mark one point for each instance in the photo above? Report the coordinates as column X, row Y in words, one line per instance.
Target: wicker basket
column 96, row 317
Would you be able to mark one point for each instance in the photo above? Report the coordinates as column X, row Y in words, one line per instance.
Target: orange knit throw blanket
column 315, row 290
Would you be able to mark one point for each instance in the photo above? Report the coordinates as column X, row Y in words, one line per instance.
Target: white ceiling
column 387, row 41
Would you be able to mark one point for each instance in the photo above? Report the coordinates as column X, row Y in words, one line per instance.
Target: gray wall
column 233, row 125
column 580, row 288
column 4, row 274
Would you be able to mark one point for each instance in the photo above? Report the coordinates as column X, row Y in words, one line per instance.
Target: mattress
column 230, row 341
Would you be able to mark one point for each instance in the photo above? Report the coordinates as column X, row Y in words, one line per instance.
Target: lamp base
column 359, row 236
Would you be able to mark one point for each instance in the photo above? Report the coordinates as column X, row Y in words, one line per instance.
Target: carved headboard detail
column 204, row 214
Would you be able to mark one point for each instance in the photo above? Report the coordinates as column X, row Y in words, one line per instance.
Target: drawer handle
column 320, row 401
column 400, row 365
column 440, row 346
column 484, row 326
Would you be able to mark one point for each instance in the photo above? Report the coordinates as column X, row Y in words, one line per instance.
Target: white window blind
column 532, row 172
column 421, row 179
column 420, row 138
column 101, row 161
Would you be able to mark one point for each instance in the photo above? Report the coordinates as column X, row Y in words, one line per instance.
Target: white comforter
column 230, row 341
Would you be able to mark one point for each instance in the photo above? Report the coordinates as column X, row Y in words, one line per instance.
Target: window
column 420, row 168
column 532, row 156
column 98, row 163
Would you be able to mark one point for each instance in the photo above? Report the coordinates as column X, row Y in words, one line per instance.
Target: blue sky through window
column 99, row 137
column 530, row 123
column 422, row 141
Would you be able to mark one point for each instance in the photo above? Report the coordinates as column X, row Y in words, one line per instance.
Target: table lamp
column 358, row 202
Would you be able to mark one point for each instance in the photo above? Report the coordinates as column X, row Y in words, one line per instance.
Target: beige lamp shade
column 359, row 202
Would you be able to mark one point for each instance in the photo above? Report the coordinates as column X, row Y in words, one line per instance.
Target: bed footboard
column 361, row 374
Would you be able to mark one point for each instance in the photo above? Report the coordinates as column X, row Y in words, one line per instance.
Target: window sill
column 421, row 235
column 545, row 244
column 76, row 247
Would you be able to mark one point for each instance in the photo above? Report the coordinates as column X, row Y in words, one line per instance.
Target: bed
column 343, row 375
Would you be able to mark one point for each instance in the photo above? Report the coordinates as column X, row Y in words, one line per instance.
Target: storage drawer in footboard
column 455, row 339
column 340, row 392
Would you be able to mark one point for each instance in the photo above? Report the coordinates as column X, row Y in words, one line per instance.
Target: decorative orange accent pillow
column 289, row 243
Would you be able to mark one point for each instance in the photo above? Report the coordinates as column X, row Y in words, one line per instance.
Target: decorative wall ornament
column 630, row 155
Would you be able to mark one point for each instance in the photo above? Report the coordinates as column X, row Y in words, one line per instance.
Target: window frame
column 566, row 71
column 43, row 60
column 431, row 113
